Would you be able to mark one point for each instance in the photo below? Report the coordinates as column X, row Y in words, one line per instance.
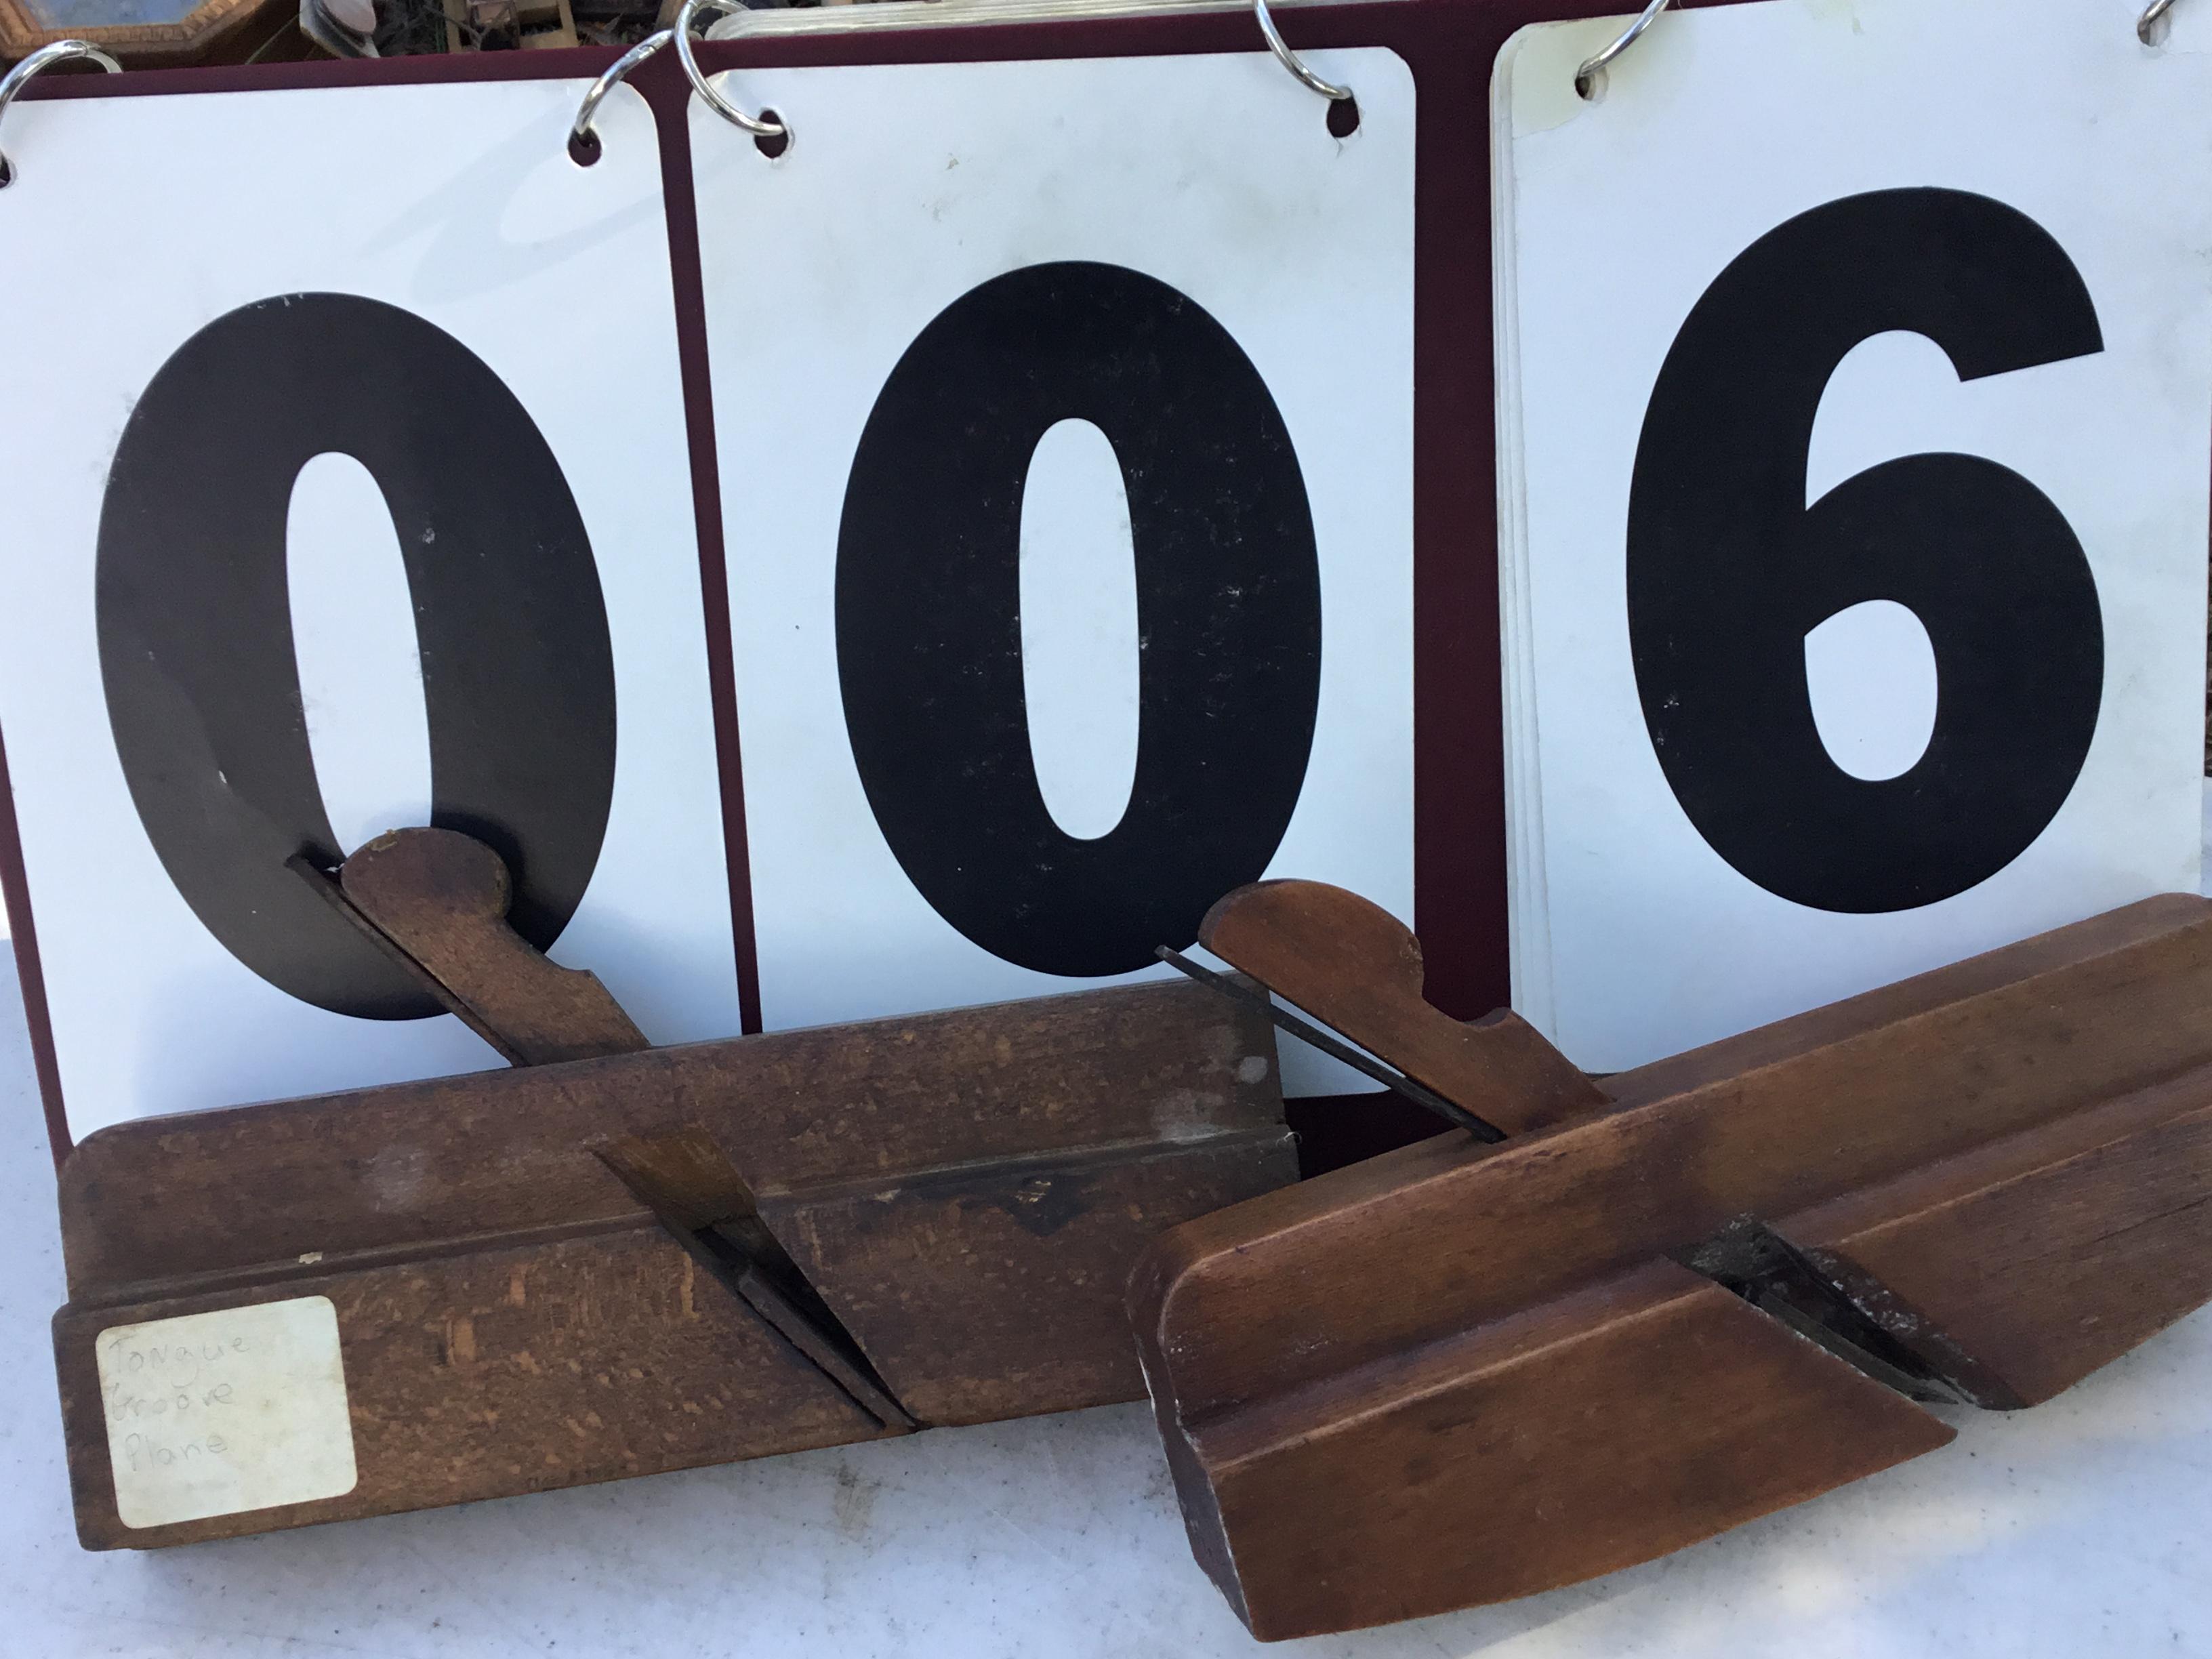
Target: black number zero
column 929, row 623
column 196, row 645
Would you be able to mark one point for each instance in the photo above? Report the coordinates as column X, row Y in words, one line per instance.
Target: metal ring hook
column 1297, row 66
column 721, row 106
column 2152, row 15
column 1626, row 39
column 44, row 58
column 581, row 135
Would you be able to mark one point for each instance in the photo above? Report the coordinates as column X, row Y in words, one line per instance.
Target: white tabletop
column 2079, row 1528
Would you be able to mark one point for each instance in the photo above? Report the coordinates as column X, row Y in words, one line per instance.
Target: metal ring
column 44, row 58
column 611, row 77
column 1297, row 66
column 721, row 106
column 1626, row 39
column 2152, row 14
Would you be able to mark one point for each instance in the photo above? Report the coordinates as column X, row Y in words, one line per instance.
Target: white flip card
column 1065, row 424
column 351, row 483
column 1855, row 400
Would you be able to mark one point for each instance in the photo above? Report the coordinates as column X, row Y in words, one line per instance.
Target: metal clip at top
column 1297, row 66
column 775, row 131
column 1586, row 77
column 765, row 126
column 583, row 141
column 11, row 84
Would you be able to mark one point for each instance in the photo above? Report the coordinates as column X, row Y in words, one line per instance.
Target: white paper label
column 216, row 1413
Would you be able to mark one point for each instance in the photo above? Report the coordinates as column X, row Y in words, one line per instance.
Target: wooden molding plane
column 1675, row 1298
column 614, row 1259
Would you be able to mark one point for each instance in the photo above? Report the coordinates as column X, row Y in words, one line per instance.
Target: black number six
column 1729, row 570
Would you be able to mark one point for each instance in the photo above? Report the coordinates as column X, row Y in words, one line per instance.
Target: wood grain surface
column 963, row 1192
column 441, row 898
column 1316, row 946
column 2005, row 1163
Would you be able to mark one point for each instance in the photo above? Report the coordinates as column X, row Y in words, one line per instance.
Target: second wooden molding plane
column 1625, row 1314
column 617, row 1259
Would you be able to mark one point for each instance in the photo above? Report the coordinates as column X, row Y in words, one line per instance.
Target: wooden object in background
column 963, row 1192
column 1459, row 1373
column 477, row 25
column 546, row 25
column 162, row 34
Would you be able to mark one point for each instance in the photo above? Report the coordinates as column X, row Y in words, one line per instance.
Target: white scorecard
column 1855, row 401
column 1065, row 424
column 331, row 508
